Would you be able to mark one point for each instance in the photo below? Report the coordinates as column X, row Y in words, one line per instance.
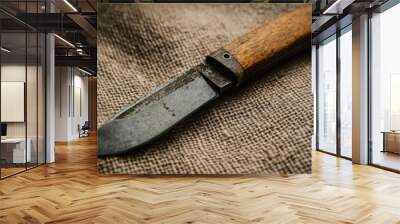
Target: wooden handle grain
column 272, row 42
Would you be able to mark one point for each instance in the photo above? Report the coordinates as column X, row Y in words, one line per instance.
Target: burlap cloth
column 263, row 127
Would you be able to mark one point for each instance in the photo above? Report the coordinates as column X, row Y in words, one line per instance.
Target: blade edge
column 155, row 114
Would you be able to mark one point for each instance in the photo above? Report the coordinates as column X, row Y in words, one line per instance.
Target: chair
column 84, row 130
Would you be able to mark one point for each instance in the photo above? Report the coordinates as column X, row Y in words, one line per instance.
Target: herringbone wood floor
column 70, row 191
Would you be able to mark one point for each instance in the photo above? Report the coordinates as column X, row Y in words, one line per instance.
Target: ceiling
column 74, row 22
column 329, row 16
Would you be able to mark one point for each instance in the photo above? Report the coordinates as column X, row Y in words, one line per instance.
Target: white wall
column 62, row 81
column 12, row 73
column 70, row 83
column 16, row 73
column 13, row 101
column 79, row 117
column 33, row 126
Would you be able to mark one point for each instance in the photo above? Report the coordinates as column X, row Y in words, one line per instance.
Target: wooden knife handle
column 276, row 40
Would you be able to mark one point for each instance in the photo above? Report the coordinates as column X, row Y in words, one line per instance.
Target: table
column 391, row 141
column 13, row 150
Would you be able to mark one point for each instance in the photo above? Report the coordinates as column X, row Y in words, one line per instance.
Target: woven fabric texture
column 263, row 127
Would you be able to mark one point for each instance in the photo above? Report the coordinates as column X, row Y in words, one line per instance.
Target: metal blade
column 158, row 112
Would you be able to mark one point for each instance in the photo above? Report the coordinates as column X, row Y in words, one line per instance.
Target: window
column 334, row 106
column 326, row 96
column 385, row 89
column 345, row 92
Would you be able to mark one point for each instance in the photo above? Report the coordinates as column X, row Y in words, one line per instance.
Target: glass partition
column 22, row 101
column 14, row 154
column 31, row 99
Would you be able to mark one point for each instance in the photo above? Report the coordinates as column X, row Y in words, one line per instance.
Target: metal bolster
column 219, row 81
column 226, row 63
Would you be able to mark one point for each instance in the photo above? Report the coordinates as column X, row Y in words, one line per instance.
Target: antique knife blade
column 222, row 71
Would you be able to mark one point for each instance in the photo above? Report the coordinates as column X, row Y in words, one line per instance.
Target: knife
column 222, row 71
